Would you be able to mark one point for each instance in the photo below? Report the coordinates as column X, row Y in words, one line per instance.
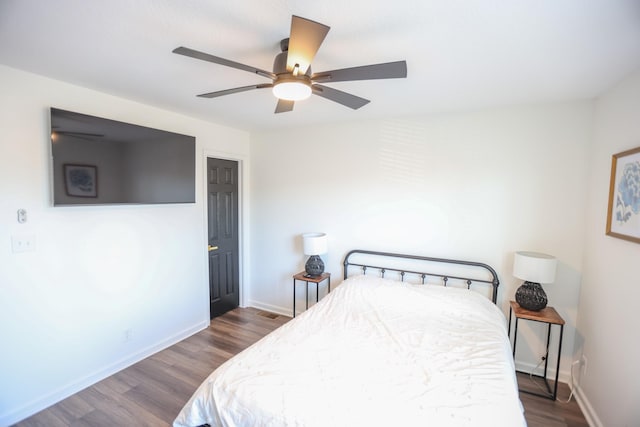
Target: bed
column 394, row 344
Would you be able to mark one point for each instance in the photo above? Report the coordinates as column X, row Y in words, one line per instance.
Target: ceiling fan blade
column 339, row 96
column 305, row 39
column 388, row 70
column 284, row 106
column 221, row 61
column 234, row 90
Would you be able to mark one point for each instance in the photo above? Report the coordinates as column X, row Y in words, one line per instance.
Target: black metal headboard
column 423, row 275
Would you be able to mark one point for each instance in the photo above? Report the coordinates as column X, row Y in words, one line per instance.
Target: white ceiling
column 461, row 54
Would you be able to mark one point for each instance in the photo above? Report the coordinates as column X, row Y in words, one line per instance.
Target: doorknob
column 212, row 248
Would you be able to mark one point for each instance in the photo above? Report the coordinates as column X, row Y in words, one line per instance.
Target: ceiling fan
column 292, row 78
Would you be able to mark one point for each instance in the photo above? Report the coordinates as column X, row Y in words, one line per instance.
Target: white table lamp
column 534, row 268
column 314, row 245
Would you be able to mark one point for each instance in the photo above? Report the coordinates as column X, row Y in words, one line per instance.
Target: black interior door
column 223, row 249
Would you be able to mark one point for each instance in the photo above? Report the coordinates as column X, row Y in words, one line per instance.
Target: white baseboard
column 55, row 396
column 283, row 311
column 587, row 410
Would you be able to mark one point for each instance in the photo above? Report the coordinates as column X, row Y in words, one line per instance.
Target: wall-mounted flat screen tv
column 98, row 161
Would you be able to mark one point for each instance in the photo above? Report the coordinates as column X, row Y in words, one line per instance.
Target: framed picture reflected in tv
column 133, row 164
column 80, row 180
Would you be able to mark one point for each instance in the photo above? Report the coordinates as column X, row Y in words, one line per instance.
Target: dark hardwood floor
column 541, row 412
column 152, row 392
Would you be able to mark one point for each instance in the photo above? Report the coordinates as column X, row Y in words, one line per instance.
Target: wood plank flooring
column 152, row 392
column 541, row 412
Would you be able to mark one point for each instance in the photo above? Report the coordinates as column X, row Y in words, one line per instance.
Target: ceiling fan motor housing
column 280, row 61
column 290, row 85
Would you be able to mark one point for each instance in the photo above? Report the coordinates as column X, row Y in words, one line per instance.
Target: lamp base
column 314, row 266
column 531, row 296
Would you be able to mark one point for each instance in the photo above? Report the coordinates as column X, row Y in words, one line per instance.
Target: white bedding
column 374, row 352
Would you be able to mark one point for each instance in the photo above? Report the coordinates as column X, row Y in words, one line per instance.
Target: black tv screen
column 98, row 161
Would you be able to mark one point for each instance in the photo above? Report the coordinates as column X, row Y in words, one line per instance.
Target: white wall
column 607, row 331
column 475, row 186
column 96, row 271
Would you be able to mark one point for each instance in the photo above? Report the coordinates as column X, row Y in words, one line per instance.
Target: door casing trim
column 243, row 217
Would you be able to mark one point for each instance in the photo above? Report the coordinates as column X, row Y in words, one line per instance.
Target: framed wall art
column 623, row 216
column 81, row 180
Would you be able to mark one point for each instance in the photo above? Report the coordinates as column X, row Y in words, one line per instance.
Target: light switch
column 22, row 216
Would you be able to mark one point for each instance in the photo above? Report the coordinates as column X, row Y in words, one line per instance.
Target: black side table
column 549, row 316
column 317, row 280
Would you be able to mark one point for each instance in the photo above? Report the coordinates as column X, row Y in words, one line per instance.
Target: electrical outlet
column 23, row 243
column 128, row 333
column 583, row 363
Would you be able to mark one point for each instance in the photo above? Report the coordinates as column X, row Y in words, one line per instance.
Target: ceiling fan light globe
column 292, row 90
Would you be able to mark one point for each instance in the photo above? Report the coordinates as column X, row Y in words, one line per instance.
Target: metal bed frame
column 423, row 275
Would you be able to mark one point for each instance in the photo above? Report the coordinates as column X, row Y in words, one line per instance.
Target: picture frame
column 81, row 180
column 623, row 215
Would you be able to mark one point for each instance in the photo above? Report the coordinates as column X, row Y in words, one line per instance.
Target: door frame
column 243, row 217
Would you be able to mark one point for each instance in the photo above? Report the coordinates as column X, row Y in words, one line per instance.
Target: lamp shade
column 534, row 267
column 314, row 243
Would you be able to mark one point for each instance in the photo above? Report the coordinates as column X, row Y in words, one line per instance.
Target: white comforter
column 374, row 352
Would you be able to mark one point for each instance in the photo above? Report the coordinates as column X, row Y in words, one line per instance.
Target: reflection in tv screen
column 98, row 161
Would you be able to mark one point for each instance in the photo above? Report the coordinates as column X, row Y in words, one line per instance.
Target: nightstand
column 317, row 280
column 551, row 317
